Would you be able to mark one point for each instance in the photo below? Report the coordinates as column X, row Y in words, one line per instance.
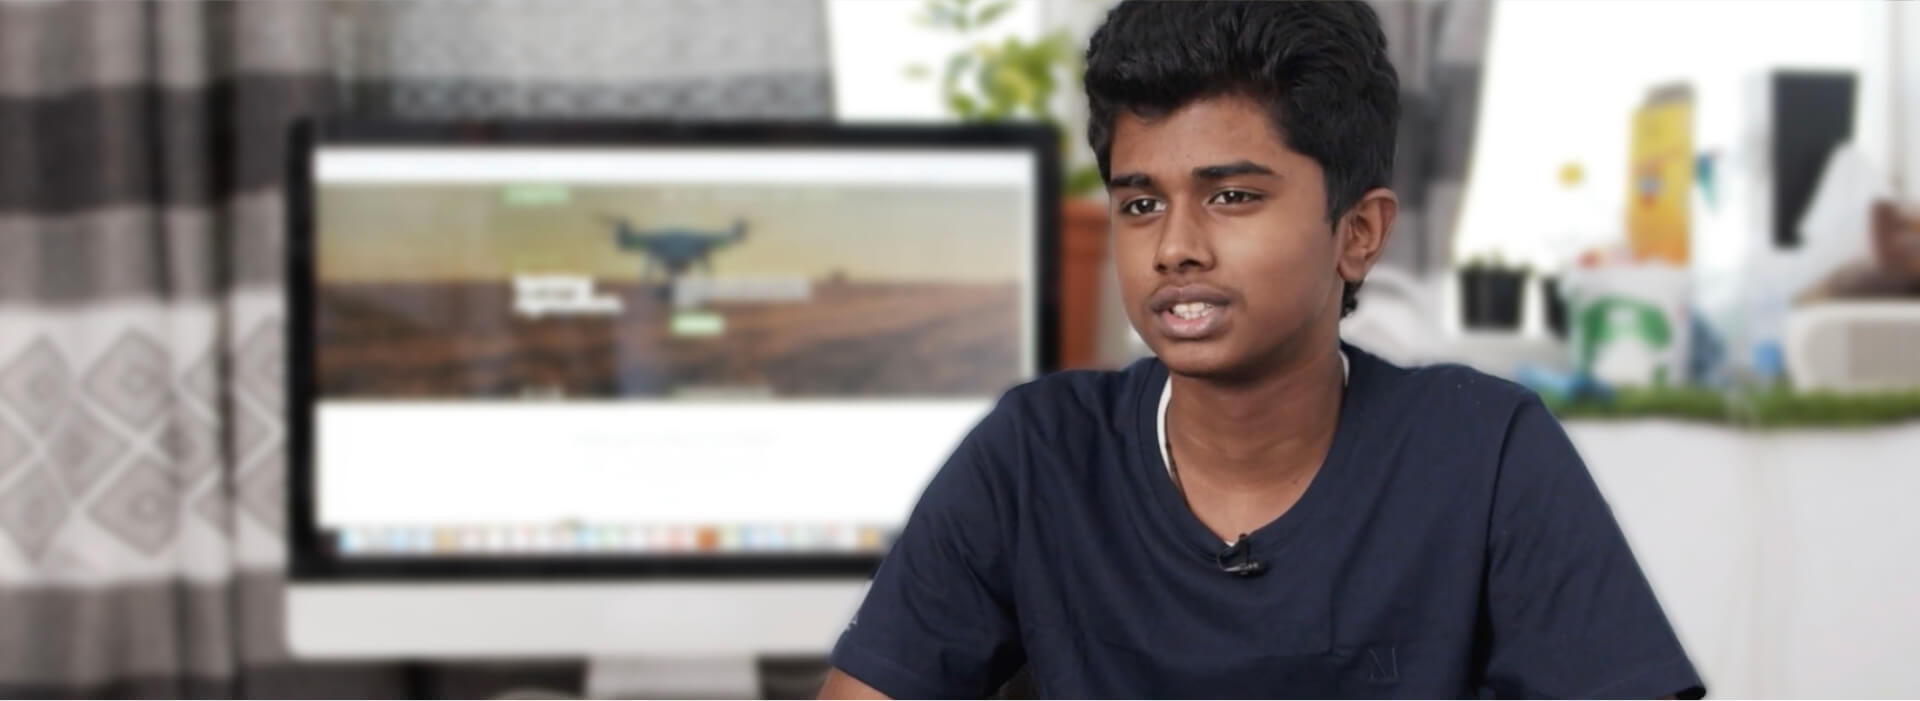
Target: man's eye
column 1235, row 197
column 1141, row 206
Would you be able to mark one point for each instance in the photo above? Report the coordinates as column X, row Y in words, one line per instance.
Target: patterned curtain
column 1439, row 48
column 142, row 455
column 702, row 59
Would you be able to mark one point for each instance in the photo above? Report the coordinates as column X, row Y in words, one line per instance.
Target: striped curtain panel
column 142, row 452
column 1440, row 48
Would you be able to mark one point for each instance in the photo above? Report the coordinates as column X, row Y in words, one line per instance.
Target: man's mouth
column 1191, row 310
column 1190, row 313
column 1192, row 321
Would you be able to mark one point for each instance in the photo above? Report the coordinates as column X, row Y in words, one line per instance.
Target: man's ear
column 1363, row 232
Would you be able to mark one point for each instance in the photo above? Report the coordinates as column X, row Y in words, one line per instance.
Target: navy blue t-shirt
column 1452, row 545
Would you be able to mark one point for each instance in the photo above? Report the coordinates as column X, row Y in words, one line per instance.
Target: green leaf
column 1083, row 181
column 1020, row 88
column 987, row 82
column 962, row 105
column 1044, row 84
column 1038, row 108
column 1060, row 43
column 956, row 65
column 918, row 71
column 961, row 18
column 1038, row 69
column 992, row 12
column 941, row 16
column 1047, row 50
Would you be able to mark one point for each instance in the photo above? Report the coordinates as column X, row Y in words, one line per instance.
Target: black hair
column 1320, row 67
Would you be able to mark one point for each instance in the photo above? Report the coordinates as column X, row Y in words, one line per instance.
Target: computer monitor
column 571, row 388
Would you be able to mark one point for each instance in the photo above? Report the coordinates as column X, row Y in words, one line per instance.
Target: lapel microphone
column 1237, row 559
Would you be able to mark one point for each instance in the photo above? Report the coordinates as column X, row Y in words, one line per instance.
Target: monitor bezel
column 311, row 559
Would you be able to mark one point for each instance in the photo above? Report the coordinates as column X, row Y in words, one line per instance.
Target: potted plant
column 1490, row 293
column 1016, row 80
column 1556, row 305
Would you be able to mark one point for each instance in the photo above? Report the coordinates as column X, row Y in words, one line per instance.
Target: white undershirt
column 1166, row 396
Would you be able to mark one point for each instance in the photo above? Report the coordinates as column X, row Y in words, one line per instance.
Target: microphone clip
column 1238, row 560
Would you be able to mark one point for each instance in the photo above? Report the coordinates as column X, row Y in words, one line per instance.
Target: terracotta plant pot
column 1083, row 259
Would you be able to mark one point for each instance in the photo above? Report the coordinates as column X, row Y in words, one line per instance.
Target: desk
column 1788, row 560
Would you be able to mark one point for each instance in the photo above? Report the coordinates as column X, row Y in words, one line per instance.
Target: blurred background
column 1693, row 227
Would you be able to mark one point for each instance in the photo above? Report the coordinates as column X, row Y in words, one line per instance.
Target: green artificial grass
column 1771, row 408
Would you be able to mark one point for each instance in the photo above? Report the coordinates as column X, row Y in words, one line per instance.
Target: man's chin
column 1206, row 360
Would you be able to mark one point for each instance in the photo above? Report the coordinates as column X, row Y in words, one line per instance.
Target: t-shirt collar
column 1166, row 396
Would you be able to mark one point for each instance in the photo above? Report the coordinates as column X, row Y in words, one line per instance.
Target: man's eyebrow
column 1212, row 172
column 1218, row 172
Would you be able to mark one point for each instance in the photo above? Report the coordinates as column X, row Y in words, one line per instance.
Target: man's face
column 1226, row 259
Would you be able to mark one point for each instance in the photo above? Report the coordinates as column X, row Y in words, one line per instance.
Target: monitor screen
column 665, row 349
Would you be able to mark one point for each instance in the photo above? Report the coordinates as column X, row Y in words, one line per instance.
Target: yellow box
column 1660, row 178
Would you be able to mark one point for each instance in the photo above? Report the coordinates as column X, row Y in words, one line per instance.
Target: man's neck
column 1260, row 433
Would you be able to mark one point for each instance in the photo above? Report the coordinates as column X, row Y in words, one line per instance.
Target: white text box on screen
column 932, row 168
column 791, row 461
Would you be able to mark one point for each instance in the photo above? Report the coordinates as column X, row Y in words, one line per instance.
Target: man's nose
column 1184, row 244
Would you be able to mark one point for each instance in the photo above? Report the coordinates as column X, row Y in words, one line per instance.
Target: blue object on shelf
column 1706, row 353
column 1768, row 362
column 1563, row 385
column 1703, row 176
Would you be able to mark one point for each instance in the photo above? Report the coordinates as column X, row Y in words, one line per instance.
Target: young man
column 1258, row 510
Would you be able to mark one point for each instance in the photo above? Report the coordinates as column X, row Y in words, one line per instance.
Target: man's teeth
column 1191, row 310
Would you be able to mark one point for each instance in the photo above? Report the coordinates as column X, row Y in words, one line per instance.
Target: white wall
column 1904, row 27
column 874, row 41
column 1563, row 79
column 1890, row 95
column 1786, row 560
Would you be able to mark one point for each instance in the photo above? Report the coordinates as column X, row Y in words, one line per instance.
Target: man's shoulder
column 1103, row 385
column 1460, row 383
column 1109, row 395
column 1083, row 394
column 1445, row 392
column 1069, row 406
